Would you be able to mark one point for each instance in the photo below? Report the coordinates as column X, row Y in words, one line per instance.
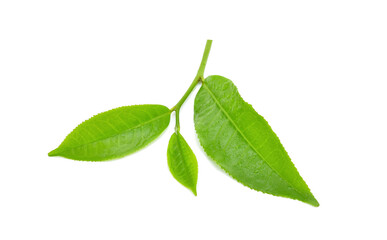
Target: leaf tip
column 316, row 203
column 53, row 153
column 194, row 191
column 313, row 201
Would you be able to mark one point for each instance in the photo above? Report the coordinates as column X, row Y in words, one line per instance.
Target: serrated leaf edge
column 313, row 203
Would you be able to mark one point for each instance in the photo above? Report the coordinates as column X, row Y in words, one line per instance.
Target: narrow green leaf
column 115, row 133
column 182, row 162
column 238, row 139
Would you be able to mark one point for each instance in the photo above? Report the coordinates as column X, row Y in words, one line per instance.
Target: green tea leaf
column 115, row 133
column 243, row 143
column 182, row 162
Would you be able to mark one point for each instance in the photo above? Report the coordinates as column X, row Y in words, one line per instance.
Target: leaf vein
column 245, row 138
column 119, row 133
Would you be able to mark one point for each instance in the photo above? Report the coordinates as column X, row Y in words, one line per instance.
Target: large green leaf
column 115, row 133
column 182, row 162
column 243, row 143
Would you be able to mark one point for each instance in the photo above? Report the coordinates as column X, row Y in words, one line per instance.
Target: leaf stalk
column 177, row 126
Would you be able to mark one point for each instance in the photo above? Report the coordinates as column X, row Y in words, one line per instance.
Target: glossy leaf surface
column 115, row 133
column 182, row 162
column 238, row 139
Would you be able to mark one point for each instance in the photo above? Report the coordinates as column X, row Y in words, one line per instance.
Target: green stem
column 198, row 78
column 186, row 94
column 204, row 58
column 177, row 127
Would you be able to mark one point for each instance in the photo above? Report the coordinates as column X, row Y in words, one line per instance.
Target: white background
column 316, row 70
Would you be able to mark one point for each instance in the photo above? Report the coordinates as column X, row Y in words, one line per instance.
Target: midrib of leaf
column 183, row 156
column 127, row 130
column 245, row 138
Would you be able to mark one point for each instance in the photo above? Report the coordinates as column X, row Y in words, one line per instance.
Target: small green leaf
column 243, row 143
column 115, row 133
column 182, row 162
